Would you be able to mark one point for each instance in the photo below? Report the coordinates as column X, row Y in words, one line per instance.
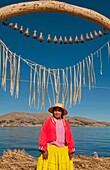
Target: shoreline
column 20, row 160
column 40, row 125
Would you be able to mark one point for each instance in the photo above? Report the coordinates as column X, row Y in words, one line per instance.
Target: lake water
column 87, row 140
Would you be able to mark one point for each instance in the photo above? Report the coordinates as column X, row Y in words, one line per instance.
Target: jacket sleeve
column 70, row 139
column 43, row 137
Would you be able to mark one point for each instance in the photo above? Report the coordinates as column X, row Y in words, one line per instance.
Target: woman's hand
column 45, row 155
column 70, row 155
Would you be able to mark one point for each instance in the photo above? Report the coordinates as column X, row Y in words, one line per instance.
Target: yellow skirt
column 58, row 159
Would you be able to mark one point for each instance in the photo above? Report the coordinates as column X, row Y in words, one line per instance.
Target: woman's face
column 57, row 112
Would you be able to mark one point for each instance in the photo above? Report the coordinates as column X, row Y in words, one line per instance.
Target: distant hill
column 16, row 119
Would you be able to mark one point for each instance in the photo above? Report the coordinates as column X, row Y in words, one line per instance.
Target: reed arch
column 53, row 6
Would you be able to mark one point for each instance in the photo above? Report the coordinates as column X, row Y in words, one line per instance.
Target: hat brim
column 65, row 112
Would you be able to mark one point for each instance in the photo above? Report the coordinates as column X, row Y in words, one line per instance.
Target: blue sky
column 95, row 103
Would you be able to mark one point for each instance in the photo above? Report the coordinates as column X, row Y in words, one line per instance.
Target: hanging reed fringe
column 11, row 75
column 30, row 94
column 14, row 71
column 88, row 62
column 83, row 63
column 47, row 83
column 4, row 73
column 93, row 72
column 80, row 82
column 75, row 86
column 39, row 85
column 18, row 78
column 64, row 86
column 1, row 48
column 71, row 92
column 100, row 62
column 108, row 44
column 43, row 87
column 52, row 85
column 56, row 75
column 34, row 87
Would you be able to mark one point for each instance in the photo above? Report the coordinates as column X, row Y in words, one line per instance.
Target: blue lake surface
column 87, row 140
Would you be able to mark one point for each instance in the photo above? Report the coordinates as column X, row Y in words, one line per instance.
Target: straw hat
column 60, row 105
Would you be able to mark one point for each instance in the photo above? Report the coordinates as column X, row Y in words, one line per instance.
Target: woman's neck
column 57, row 118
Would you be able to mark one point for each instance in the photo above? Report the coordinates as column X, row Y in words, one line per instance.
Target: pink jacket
column 48, row 134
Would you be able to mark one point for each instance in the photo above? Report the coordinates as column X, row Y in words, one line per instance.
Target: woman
column 56, row 143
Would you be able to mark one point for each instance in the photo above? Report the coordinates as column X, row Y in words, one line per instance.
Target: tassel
column 108, row 50
column 39, row 86
column 80, row 82
column 87, row 37
column 91, row 36
column 60, row 40
column 75, row 85
column 65, row 40
column 88, row 68
column 34, row 87
column 55, row 82
column 91, row 69
column 55, row 40
column 71, row 98
column 64, row 86
column 67, row 86
column 12, row 72
column 100, row 33
column 97, row 53
column 5, row 70
column 5, row 23
column 11, row 24
column 58, row 86
column 63, row 83
column 47, row 87
column 70, row 40
column 43, row 87
column 100, row 63
column 27, row 32
column 3, row 63
column 49, row 38
column 96, row 34
column 30, row 94
column 41, row 39
column 11, row 75
column 92, row 72
column 83, row 62
column 1, row 59
column 76, row 39
column 82, row 39
column 21, row 29
column 34, row 35
column 47, row 83
column 15, row 27
column 52, row 88
column 56, row 74
column 18, row 78
column 14, row 67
